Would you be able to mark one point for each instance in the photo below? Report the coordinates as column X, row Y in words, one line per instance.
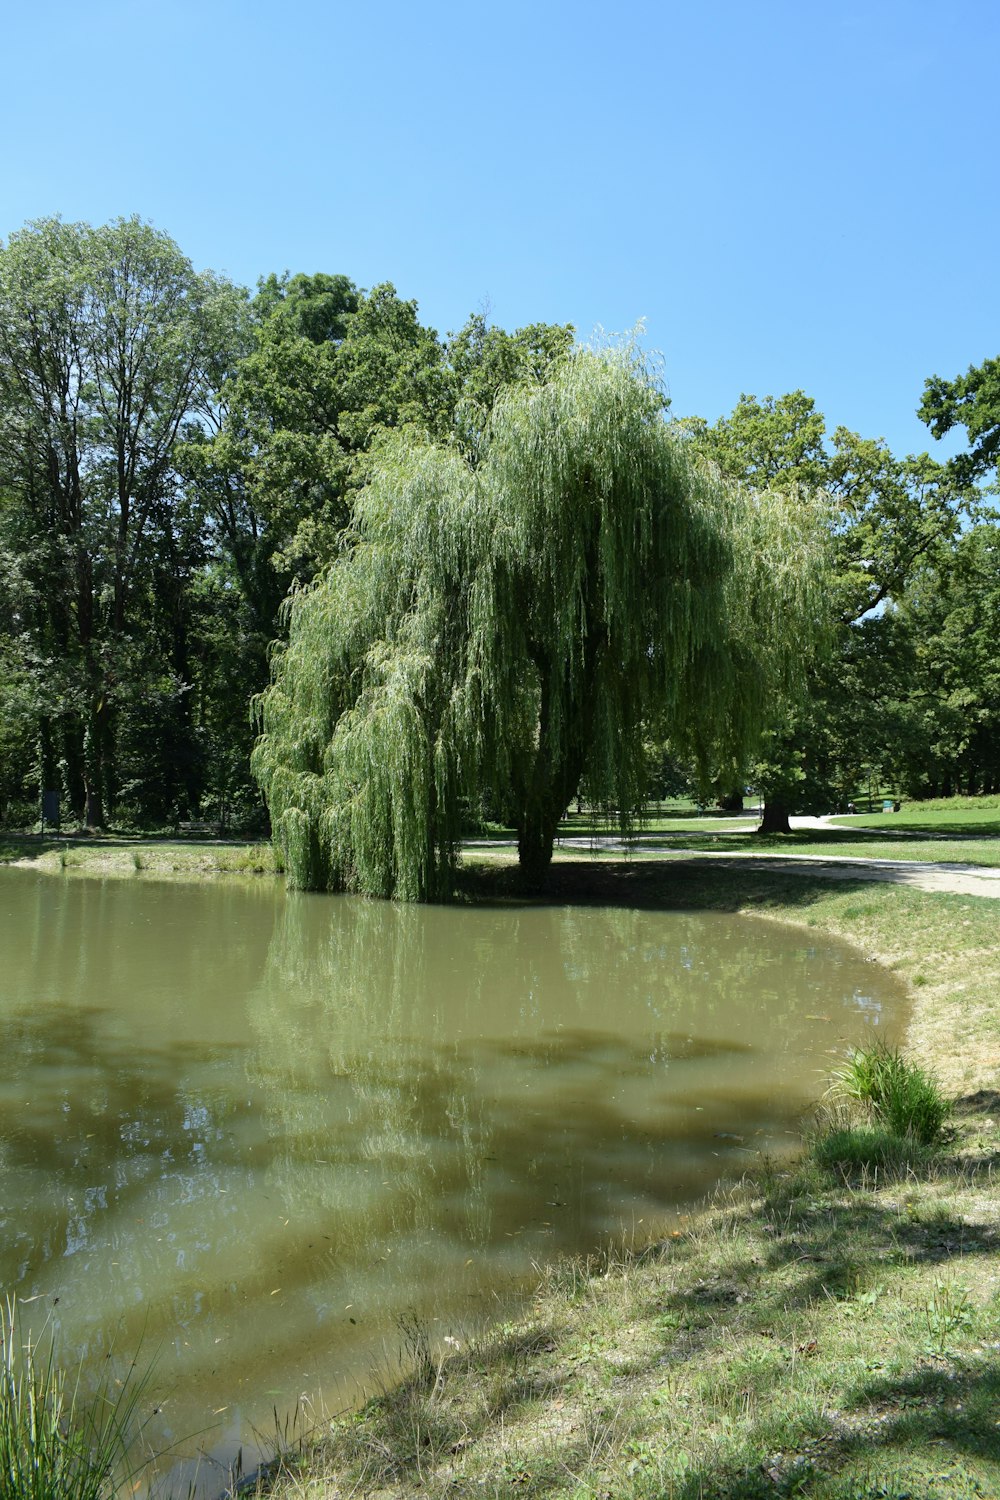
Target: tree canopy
column 971, row 401
column 500, row 629
column 885, row 516
column 108, row 340
column 176, row 454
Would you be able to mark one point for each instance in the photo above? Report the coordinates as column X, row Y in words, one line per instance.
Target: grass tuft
column 853, row 1151
column 53, row 1446
column 900, row 1097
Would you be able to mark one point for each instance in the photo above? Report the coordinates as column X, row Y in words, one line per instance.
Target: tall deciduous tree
column 951, row 622
column 506, row 628
column 885, row 515
column 107, row 341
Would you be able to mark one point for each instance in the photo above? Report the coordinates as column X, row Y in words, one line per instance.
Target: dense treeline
column 179, row 457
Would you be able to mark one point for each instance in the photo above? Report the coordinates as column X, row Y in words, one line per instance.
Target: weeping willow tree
column 503, row 630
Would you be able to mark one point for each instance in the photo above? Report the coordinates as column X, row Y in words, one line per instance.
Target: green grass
column 852, row 1151
column 967, row 851
column 899, row 1096
column 820, row 842
column 164, row 858
column 53, row 1444
column 980, row 822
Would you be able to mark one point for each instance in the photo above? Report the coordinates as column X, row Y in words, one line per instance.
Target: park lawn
column 818, row 843
column 966, row 851
column 813, row 1331
column 857, row 841
column 583, row 826
column 978, row 822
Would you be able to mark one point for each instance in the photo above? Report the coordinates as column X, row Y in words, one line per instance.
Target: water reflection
column 252, row 1130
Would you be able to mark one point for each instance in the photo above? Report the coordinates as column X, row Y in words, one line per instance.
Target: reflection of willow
column 394, row 1041
column 354, row 1016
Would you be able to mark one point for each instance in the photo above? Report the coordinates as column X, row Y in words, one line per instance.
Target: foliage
column 900, row 1096
column 885, row 517
column 485, row 359
column 53, row 1446
column 508, row 627
column 108, row 345
column 951, row 619
column 971, row 401
column 173, row 455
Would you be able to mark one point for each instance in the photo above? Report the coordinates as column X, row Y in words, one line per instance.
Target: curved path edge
column 957, row 880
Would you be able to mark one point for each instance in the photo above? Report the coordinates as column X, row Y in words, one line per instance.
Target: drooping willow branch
column 497, row 633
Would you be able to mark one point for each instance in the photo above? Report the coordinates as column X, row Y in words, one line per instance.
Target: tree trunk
column 48, row 763
column 774, row 818
column 95, row 764
column 535, row 838
column 75, row 778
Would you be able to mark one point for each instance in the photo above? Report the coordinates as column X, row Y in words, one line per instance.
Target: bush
column 896, row 1094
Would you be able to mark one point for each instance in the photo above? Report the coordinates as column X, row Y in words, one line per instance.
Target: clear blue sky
column 790, row 194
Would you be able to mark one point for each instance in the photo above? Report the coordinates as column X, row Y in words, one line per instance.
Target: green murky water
column 250, row 1131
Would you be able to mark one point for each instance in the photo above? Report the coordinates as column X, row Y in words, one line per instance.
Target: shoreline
column 583, row 1396
column 943, row 947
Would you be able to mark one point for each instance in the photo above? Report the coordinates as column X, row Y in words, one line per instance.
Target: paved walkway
column 960, row 880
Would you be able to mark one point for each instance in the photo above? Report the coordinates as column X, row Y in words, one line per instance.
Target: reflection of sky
column 259, row 1129
column 868, row 1007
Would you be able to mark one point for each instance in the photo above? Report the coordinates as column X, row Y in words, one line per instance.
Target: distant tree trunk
column 774, row 818
column 75, row 778
column 96, row 765
column 48, row 763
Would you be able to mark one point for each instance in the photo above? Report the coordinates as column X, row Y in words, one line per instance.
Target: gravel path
column 959, row 880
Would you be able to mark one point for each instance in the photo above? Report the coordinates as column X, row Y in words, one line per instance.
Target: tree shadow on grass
column 793, row 1270
column 674, row 885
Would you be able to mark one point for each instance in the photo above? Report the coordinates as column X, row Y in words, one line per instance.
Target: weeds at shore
column 53, row 1445
column 902, row 1100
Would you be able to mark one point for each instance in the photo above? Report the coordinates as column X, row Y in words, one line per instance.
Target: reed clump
column 896, row 1095
column 54, row 1445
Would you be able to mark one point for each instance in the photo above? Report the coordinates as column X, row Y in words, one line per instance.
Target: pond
column 250, row 1131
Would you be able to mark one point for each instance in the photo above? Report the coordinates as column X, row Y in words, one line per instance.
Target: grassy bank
column 108, row 855
column 831, row 1331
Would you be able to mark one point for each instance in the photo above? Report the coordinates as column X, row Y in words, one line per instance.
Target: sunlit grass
column 897, row 1094
column 54, row 1445
column 815, row 842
